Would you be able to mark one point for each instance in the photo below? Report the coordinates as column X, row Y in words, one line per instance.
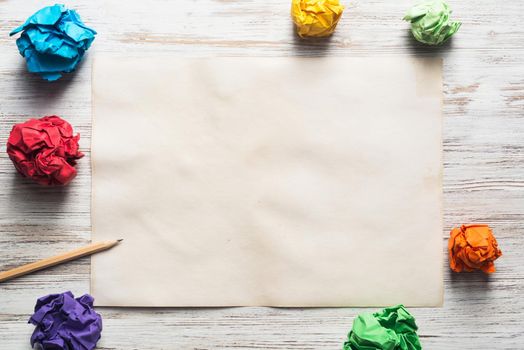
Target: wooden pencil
column 57, row 259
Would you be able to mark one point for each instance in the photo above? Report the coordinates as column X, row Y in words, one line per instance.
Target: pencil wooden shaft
column 55, row 260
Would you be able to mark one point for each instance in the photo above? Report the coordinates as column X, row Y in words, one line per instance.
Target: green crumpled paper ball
column 430, row 23
column 393, row 328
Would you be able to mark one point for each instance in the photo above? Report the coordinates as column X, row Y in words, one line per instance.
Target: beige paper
column 267, row 181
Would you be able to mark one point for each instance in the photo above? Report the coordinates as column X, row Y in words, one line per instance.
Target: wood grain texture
column 483, row 177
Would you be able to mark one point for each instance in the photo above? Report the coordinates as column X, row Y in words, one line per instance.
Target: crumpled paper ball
column 44, row 150
column 393, row 328
column 430, row 23
column 472, row 247
column 65, row 323
column 316, row 18
column 53, row 41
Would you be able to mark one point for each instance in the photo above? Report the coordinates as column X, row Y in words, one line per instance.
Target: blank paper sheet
column 267, row 181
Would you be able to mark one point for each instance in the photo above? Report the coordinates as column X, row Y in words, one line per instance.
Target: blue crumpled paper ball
column 65, row 323
column 53, row 41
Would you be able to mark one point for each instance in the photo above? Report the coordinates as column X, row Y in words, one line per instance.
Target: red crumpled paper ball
column 45, row 150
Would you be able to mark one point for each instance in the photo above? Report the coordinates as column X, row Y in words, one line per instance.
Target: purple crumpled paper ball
column 65, row 323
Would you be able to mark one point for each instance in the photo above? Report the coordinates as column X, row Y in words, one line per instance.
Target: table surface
column 483, row 162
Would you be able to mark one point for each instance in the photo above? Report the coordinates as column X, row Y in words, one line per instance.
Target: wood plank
column 483, row 159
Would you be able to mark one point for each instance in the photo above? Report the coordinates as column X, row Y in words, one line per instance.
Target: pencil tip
column 120, row 240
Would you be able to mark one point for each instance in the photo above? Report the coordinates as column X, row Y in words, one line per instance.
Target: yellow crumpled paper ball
column 316, row 18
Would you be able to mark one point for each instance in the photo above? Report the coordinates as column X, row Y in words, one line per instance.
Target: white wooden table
column 483, row 179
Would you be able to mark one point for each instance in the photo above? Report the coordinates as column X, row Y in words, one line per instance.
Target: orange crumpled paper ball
column 472, row 247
